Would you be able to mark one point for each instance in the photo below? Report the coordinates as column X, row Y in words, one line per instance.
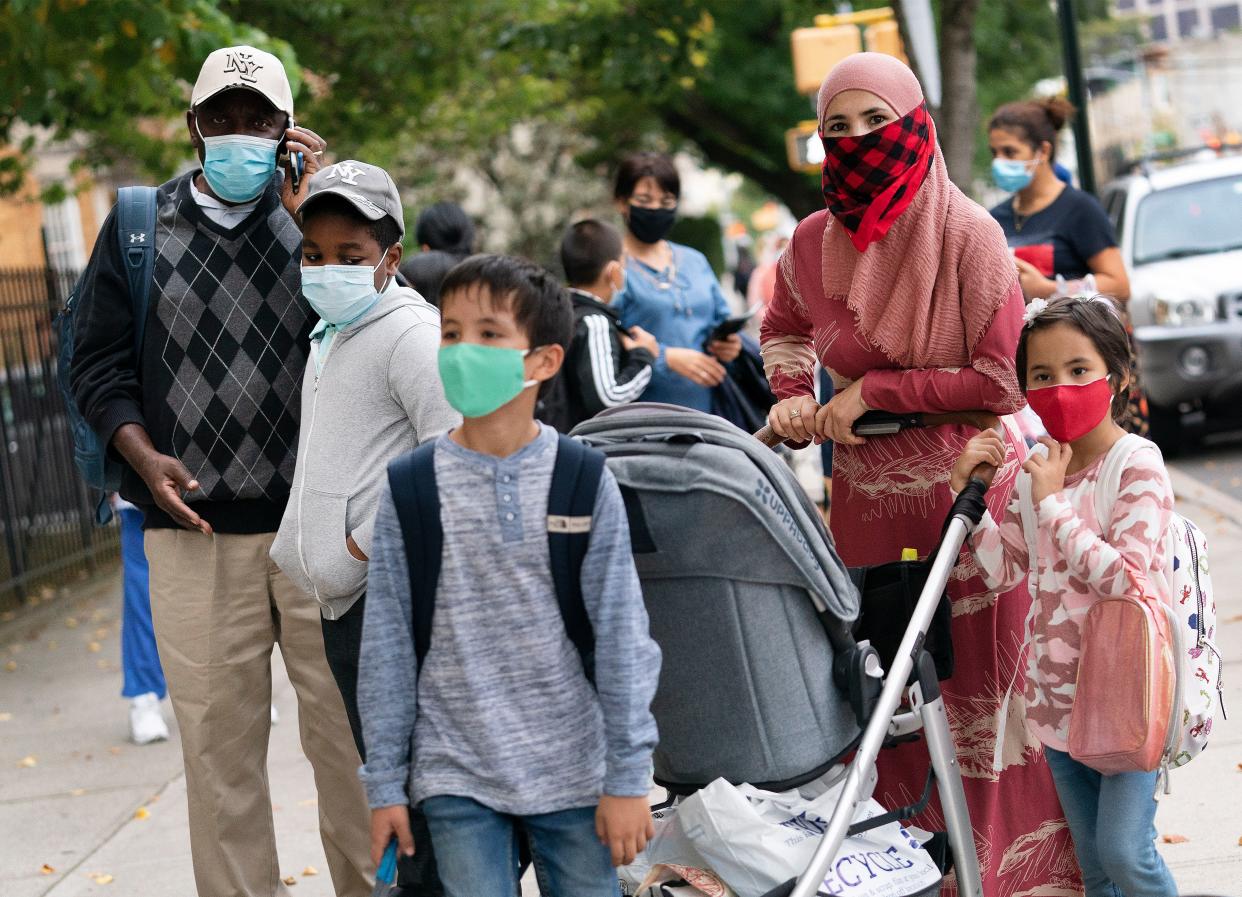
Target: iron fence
column 47, row 532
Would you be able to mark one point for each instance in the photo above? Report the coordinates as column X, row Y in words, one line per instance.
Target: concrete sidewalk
column 109, row 818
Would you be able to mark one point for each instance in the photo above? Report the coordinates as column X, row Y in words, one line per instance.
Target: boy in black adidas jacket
column 606, row 366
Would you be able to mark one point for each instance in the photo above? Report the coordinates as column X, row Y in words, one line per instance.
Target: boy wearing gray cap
column 371, row 392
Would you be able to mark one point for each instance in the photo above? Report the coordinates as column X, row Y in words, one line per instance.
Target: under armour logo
column 348, row 172
column 137, row 238
column 244, row 65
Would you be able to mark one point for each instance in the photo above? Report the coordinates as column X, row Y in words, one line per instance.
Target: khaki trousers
column 219, row 604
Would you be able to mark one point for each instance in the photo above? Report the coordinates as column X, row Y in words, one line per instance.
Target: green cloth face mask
column 479, row 379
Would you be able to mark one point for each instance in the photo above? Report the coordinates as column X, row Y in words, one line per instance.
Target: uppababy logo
column 768, row 498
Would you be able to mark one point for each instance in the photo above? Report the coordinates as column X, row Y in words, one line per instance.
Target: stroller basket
column 762, row 680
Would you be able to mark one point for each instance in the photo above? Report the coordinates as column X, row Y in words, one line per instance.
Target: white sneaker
column 275, row 715
column 146, row 720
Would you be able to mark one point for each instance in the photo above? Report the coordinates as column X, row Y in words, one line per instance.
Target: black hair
column 445, row 226
column 1099, row 321
column 385, row 231
column 1034, row 121
column 540, row 305
column 637, row 166
column 586, row 249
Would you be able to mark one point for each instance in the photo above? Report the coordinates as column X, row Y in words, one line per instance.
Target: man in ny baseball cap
column 241, row 121
column 206, row 417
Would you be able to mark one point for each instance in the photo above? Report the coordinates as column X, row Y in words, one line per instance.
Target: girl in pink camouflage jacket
column 1073, row 363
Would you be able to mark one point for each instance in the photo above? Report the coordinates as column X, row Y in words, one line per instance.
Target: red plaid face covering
column 869, row 180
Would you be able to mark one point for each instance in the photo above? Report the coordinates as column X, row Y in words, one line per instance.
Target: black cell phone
column 297, row 164
column 885, row 423
column 730, row 326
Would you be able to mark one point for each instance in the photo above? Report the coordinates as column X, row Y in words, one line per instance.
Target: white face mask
column 340, row 294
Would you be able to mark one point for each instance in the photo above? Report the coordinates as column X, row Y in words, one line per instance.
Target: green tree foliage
column 403, row 83
column 112, row 74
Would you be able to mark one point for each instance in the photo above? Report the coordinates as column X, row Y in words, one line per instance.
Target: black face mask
column 651, row 225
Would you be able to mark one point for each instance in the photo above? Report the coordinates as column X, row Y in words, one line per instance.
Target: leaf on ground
column 311, row 801
column 142, row 813
column 8, row 616
column 94, row 647
column 1174, row 839
column 45, row 869
column 27, row 762
column 5, row 717
column 101, row 878
column 77, row 792
column 310, row 870
column 289, row 880
column 114, row 750
column 101, row 632
column 11, row 665
column 1236, row 618
column 71, row 622
column 52, row 644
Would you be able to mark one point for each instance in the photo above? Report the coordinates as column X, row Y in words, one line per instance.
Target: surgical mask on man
column 238, row 167
column 341, row 294
column 1012, row 175
column 479, row 379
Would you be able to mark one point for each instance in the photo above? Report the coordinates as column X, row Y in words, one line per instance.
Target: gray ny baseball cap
column 368, row 188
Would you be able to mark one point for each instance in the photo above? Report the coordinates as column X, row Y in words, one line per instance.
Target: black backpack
column 135, row 212
column 571, row 505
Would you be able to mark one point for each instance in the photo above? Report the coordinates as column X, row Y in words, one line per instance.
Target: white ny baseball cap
column 246, row 67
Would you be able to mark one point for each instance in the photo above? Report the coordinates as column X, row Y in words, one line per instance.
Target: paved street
column 84, row 812
column 1218, row 463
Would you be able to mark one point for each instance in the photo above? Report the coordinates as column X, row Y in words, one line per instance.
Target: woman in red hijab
column 904, row 289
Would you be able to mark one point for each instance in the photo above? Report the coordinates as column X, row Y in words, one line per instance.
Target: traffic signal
column 803, row 147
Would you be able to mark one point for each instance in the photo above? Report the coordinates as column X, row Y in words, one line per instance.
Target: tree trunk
column 959, row 109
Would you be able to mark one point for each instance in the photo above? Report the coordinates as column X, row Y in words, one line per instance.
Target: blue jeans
column 477, row 851
column 1111, row 819
column 140, row 661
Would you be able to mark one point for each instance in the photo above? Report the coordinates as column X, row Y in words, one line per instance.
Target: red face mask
column 869, row 181
column 1071, row 410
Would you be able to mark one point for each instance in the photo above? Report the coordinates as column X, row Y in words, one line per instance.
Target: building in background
column 1172, row 20
column 57, row 235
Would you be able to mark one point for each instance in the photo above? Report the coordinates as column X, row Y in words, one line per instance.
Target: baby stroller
column 763, row 681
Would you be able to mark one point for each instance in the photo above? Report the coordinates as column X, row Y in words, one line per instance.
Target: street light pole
column 1077, row 93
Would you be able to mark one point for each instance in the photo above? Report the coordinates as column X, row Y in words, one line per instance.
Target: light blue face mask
column 1012, row 175
column 341, row 294
column 238, row 167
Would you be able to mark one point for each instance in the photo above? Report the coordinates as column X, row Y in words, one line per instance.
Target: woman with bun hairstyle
column 670, row 289
column 904, row 290
column 1054, row 229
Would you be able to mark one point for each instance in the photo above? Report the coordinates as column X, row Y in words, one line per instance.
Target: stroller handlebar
column 979, row 420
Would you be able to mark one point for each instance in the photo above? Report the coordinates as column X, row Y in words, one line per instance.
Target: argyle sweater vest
column 226, row 343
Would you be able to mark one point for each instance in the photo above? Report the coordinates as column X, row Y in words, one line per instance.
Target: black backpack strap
column 412, row 478
column 135, row 208
column 571, row 504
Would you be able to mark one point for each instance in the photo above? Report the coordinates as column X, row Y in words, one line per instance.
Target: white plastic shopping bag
column 755, row 840
column 669, row 847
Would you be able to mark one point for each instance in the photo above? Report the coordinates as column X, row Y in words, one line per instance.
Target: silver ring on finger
column 795, row 414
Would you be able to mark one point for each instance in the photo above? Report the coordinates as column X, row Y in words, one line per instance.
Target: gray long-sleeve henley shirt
column 502, row 712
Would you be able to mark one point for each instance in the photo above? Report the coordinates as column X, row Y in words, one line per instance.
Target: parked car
column 1180, row 229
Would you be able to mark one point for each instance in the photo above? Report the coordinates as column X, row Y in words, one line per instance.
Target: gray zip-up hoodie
column 374, row 394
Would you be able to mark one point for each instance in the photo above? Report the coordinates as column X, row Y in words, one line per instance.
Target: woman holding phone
column 904, row 289
column 670, row 289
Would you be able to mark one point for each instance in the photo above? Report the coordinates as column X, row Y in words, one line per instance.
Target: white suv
column 1180, row 229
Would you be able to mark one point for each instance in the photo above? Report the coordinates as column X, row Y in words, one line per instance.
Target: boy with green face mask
column 483, row 708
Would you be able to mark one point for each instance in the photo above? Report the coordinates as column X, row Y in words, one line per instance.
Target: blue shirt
column 679, row 306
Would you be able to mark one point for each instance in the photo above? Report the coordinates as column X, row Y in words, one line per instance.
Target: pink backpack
column 1124, row 700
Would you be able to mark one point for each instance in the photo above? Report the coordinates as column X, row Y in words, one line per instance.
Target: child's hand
column 1048, row 473
column 986, row 448
column 624, row 826
column 643, row 340
column 388, row 823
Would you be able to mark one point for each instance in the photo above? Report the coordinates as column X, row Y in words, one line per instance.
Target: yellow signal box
column 803, row 148
column 885, row 37
column 816, row 50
